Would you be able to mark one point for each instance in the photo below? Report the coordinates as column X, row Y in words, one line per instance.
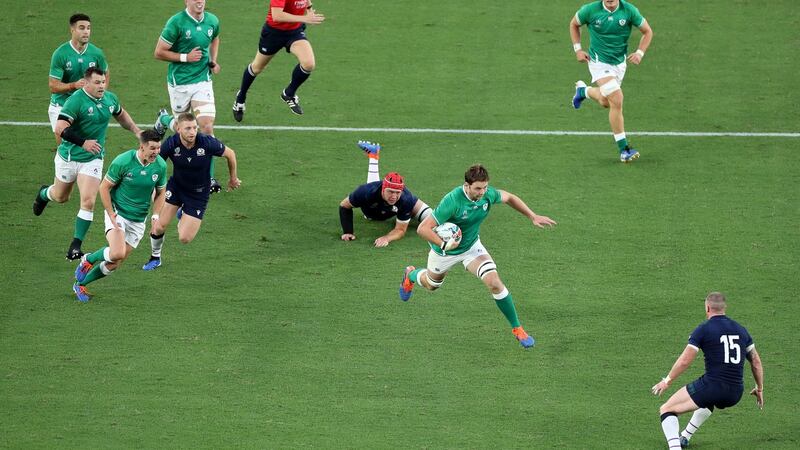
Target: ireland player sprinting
column 467, row 206
column 82, row 124
column 126, row 193
column 609, row 23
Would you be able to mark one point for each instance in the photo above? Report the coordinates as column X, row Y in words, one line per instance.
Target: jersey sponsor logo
column 80, row 60
column 199, row 28
column 189, row 158
column 143, row 172
column 201, row 152
column 622, row 22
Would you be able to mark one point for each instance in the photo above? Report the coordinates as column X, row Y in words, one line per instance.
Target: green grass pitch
column 267, row 331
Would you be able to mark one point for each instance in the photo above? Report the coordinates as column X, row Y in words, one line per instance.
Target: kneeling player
column 189, row 187
column 381, row 200
column 126, row 193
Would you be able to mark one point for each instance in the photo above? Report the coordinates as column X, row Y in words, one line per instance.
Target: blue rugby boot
column 580, row 94
column 81, row 292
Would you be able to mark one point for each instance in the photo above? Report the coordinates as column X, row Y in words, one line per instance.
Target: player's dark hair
column 75, row 18
column 149, row 135
column 476, row 173
column 716, row 301
column 185, row 117
column 93, row 70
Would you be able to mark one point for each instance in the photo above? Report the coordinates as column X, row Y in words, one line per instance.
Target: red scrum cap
column 393, row 180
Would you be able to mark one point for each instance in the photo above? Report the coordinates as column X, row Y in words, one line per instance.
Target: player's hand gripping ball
column 450, row 234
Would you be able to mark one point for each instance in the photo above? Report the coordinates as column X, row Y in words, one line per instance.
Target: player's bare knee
column 59, row 197
column 308, row 66
column 184, row 239
column 117, row 256
column 431, row 283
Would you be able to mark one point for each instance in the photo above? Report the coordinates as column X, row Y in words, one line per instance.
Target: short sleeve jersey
column 725, row 345
column 192, row 166
column 368, row 198
column 89, row 118
column 67, row 65
column 295, row 7
column 134, row 183
column 457, row 208
column 183, row 33
column 609, row 31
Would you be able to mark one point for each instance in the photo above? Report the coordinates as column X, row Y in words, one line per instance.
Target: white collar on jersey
column 97, row 99
column 202, row 16
column 615, row 9
column 464, row 190
column 76, row 50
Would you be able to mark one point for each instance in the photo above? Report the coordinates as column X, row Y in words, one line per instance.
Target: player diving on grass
column 381, row 200
column 126, row 192
column 189, row 186
column 467, row 206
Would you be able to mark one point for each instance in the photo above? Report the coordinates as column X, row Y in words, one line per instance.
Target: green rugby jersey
column 90, row 118
column 68, row 66
column 457, row 208
column 609, row 32
column 134, row 183
column 183, row 33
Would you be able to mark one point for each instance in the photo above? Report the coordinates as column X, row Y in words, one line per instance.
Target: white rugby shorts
column 442, row 264
column 67, row 171
column 134, row 231
column 181, row 96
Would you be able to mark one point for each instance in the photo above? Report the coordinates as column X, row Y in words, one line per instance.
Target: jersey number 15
column 731, row 346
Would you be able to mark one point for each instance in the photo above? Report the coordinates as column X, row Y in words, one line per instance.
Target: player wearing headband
column 382, row 200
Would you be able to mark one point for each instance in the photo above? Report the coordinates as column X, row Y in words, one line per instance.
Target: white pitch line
column 461, row 131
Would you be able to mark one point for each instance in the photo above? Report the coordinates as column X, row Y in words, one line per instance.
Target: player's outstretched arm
column 517, row 203
column 396, row 234
column 126, row 122
column 681, row 364
column 233, row 178
column 758, row 375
